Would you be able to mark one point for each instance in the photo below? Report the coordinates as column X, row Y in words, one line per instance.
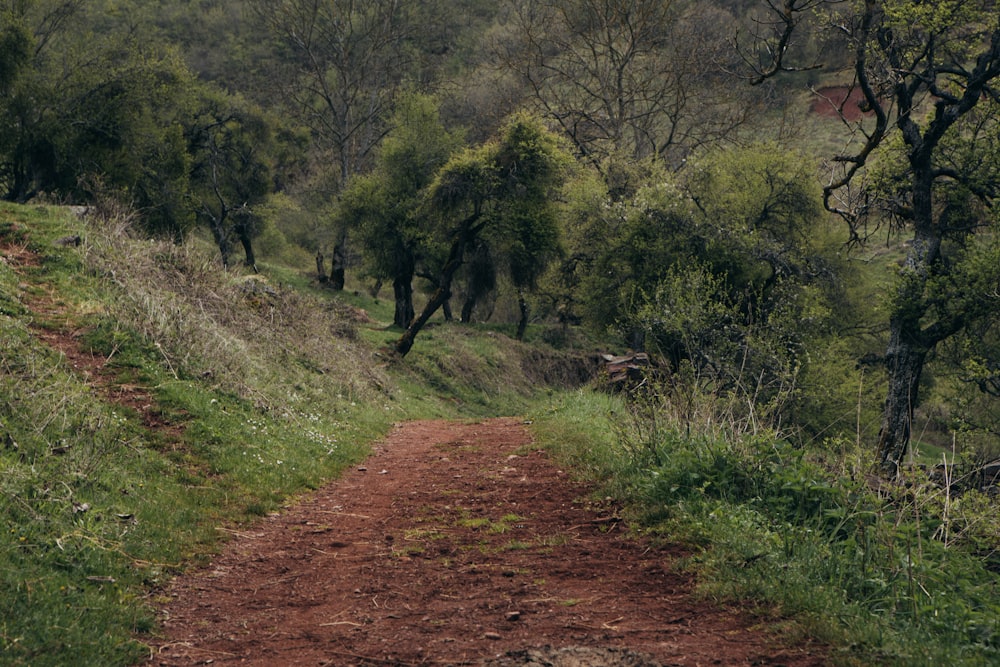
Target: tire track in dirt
column 453, row 544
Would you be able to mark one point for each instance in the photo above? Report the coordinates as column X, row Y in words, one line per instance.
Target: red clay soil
column 839, row 102
column 454, row 544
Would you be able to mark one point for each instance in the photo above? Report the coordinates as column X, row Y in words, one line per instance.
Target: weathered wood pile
column 626, row 371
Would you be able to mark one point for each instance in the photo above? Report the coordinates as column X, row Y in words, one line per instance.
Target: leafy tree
column 715, row 267
column 504, row 185
column 761, row 209
column 95, row 109
column 231, row 145
column 927, row 73
column 384, row 206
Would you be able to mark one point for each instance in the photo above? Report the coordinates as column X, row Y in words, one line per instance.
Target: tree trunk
column 247, row 244
column 468, row 306
column 402, row 289
column 482, row 279
column 904, row 360
column 320, row 268
column 908, row 343
column 405, row 342
column 522, row 324
column 217, row 225
column 635, row 339
column 466, row 233
column 337, row 270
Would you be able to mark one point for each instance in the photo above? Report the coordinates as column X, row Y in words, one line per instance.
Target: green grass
column 884, row 580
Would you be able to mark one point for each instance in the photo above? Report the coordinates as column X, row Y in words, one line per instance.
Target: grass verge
column 897, row 576
column 102, row 499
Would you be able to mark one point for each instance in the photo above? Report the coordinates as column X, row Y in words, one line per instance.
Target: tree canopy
column 504, row 187
column 928, row 73
column 385, row 205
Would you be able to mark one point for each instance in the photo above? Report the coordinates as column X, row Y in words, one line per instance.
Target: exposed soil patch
column 454, row 544
column 839, row 102
column 49, row 323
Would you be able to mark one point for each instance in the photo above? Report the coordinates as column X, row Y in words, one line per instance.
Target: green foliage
column 233, row 149
column 500, row 191
column 890, row 579
column 384, row 206
column 513, row 174
column 93, row 111
column 725, row 270
column 723, row 265
column 16, row 43
column 746, row 215
column 925, row 73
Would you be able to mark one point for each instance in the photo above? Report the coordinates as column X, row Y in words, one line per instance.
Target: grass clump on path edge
column 889, row 578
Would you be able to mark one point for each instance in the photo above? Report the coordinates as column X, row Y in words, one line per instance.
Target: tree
column 735, row 228
column 626, row 77
column 507, row 183
column 928, row 75
column 16, row 44
column 230, row 143
column 384, row 205
column 527, row 246
column 92, row 110
column 343, row 62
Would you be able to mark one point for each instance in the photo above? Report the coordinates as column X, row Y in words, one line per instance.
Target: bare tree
column 343, row 63
column 626, row 76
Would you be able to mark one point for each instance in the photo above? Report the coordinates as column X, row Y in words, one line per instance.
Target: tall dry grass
column 250, row 337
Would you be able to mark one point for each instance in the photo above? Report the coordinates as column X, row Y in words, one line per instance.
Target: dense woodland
column 789, row 205
column 645, row 170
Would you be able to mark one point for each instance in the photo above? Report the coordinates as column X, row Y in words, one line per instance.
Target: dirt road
column 454, row 544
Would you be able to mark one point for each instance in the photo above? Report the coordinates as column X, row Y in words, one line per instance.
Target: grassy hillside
column 150, row 402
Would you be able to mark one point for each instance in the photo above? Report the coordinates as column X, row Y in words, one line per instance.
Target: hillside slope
column 148, row 398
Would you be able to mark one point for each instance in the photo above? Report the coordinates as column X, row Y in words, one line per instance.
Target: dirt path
column 454, row 544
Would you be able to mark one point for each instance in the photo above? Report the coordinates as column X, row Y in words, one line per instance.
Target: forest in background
column 604, row 164
column 816, row 272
